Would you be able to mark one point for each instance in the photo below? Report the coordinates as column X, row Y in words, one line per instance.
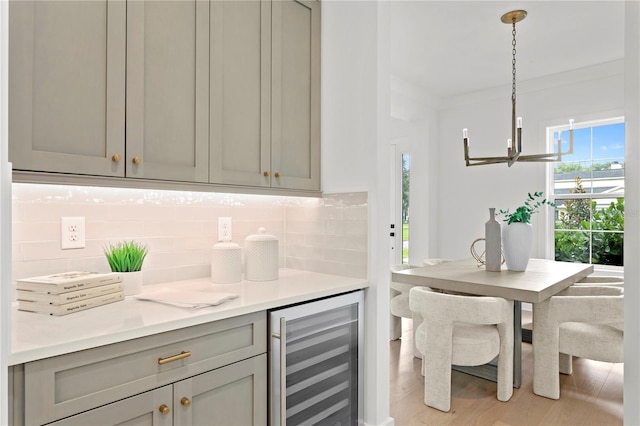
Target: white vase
column 516, row 243
column 492, row 243
column 132, row 282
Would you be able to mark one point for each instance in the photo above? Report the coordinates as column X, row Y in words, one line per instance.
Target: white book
column 67, row 281
column 69, row 308
column 70, row 296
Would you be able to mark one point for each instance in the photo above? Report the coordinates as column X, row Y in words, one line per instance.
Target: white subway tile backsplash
column 356, row 213
column 355, row 242
column 355, row 227
column 16, row 252
column 37, row 231
column 191, row 272
column 335, row 227
column 327, row 235
column 45, row 250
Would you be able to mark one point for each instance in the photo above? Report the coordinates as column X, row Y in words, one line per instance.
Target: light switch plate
column 72, row 233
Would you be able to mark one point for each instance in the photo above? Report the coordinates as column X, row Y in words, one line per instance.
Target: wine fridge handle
column 283, row 371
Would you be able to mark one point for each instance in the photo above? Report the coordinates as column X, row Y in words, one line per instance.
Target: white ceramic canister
column 226, row 263
column 261, row 257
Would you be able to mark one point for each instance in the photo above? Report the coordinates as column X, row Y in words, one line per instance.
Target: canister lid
column 261, row 236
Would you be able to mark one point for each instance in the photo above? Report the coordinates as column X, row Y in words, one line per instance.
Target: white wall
column 632, row 216
column 466, row 193
column 355, row 146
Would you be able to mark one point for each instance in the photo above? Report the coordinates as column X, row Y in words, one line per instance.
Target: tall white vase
column 516, row 243
column 492, row 241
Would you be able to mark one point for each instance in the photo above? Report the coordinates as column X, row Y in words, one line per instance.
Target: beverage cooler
column 315, row 362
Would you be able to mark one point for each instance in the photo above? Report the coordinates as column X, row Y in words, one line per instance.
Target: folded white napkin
column 186, row 298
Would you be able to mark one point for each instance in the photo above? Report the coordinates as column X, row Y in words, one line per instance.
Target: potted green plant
column 127, row 257
column 517, row 235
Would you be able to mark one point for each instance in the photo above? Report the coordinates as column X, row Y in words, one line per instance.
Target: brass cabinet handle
column 136, row 160
column 116, row 158
column 185, row 401
column 181, row 355
column 277, row 174
column 164, row 409
column 266, row 174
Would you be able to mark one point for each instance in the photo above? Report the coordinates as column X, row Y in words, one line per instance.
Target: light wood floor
column 591, row 396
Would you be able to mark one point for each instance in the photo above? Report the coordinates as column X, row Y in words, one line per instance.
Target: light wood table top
column 542, row 279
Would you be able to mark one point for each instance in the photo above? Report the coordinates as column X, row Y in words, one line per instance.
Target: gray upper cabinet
column 195, row 91
column 265, row 93
column 67, row 86
column 167, row 129
column 295, row 104
column 240, row 92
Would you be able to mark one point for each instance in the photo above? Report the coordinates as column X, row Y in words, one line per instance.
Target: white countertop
column 37, row 336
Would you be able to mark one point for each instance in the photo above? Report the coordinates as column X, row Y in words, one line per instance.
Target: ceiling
column 455, row 47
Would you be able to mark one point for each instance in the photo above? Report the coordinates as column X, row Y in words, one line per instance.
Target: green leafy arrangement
column 587, row 233
column 523, row 213
column 126, row 256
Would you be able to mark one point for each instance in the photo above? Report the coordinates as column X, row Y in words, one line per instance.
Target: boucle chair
column 462, row 330
column 583, row 321
column 602, row 280
column 399, row 302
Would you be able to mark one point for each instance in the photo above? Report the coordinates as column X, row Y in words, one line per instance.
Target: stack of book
column 62, row 294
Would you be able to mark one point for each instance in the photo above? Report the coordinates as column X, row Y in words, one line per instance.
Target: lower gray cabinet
column 208, row 374
column 231, row 395
column 143, row 409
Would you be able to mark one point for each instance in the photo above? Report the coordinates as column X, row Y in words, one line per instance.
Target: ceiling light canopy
column 514, row 144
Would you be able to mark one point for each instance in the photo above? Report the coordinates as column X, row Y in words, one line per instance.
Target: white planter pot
column 516, row 243
column 132, row 282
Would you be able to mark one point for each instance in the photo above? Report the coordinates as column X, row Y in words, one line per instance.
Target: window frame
column 550, row 217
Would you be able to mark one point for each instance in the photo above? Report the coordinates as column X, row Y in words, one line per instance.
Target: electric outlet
column 224, row 229
column 72, row 233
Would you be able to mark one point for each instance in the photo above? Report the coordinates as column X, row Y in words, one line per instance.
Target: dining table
column 542, row 279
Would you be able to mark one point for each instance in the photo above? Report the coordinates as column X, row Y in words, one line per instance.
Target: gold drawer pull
column 116, row 158
column 266, row 174
column 185, row 401
column 164, row 409
column 181, row 355
column 277, row 174
column 136, row 160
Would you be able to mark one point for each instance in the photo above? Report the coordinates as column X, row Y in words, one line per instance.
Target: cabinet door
column 240, row 92
column 295, row 139
column 168, row 90
column 151, row 408
column 67, row 86
column 231, row 395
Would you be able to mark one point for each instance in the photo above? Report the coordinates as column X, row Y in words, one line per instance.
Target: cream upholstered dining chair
column 602, row 280
column 399, row 303
column 462, row 330
column 582, row 321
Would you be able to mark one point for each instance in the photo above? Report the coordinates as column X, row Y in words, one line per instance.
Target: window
column 588, row 188
column 406, row 161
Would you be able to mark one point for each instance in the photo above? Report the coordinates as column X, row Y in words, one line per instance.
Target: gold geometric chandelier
column 514, row 145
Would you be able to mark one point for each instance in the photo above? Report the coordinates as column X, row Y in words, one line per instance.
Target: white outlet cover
column 72, row 233
column 224, row 229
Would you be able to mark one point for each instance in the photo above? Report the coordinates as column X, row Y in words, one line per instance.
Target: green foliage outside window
column 583, row 226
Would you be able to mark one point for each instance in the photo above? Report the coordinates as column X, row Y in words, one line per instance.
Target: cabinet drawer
column 64, row 385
